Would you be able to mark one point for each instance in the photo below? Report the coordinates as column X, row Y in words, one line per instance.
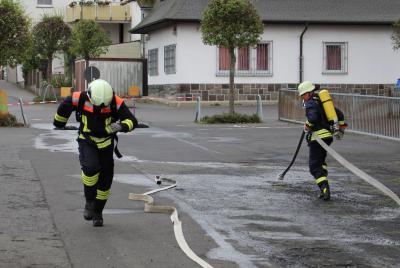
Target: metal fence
column 372, row 115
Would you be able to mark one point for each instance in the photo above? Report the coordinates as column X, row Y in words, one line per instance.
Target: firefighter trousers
column 317, row 163
column 97, row 172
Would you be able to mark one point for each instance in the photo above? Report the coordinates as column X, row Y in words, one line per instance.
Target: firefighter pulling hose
column 324, row 121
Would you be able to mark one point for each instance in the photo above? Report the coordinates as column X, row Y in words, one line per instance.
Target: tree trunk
column 49, row 69
column 232, row 81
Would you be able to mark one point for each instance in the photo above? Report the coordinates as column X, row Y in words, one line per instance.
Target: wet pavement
column 234, row 210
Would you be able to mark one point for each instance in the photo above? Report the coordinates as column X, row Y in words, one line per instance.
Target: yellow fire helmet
column 305, row 87
column 100, row 92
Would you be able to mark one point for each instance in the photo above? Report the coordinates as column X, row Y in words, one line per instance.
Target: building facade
column 345, row 51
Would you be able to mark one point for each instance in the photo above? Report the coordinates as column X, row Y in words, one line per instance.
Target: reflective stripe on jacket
column 95, row 121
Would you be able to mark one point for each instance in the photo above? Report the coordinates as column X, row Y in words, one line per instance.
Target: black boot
column 88, row 211
column 97, row 220
column 325, row 192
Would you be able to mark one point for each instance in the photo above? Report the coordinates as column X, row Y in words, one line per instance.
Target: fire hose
column 150, row 207
column 356, row 171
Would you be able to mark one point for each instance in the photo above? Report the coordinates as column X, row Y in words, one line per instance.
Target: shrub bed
column 234, row 118
column 9, row 121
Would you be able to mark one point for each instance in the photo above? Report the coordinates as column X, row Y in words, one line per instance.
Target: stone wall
column 248, row 92
column 387, row 90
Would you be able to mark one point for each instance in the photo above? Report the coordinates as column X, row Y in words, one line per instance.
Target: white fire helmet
column 100, row 92
column 305, row 87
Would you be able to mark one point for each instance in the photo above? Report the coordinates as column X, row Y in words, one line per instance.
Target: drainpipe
column 301, row 65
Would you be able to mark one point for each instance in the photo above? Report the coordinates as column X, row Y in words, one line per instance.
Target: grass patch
column 10, row 121
column 228, row 118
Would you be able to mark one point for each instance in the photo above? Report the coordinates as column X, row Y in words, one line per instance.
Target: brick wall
column 248, row 92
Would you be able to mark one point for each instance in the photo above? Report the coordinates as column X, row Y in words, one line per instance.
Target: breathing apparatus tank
column 329, row 109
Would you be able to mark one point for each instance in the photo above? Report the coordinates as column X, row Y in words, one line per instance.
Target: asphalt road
column 235, row 213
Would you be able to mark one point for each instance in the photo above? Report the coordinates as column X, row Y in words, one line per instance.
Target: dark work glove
column 308, row 137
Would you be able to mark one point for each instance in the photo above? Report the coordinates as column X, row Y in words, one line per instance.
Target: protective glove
column 338, row 134
column 116, row 127
column 306, row 128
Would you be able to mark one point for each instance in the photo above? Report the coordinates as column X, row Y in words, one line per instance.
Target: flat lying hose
column 149, row 207
column 356, row 171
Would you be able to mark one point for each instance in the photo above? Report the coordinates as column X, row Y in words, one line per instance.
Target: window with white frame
column 335, row 58
column 170, row 59
column 250, row 61
column 45, row 2
column 153, row 62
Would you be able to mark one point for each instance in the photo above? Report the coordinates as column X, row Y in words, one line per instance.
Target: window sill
column 44, row 6
column 245, row 74
column 337, row 72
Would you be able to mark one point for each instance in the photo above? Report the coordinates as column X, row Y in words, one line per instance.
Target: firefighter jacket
column 95, row 121
column 316, row 118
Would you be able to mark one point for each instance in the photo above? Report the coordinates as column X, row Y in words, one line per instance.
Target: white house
column 345, row 45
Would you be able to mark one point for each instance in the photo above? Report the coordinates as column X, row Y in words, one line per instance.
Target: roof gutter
column 301, row 63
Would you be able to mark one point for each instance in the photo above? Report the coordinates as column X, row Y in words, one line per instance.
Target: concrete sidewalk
column 28, row 236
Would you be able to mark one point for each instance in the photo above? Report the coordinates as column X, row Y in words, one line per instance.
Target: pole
column 198, row 110
column 22, row 112
column 259, row 108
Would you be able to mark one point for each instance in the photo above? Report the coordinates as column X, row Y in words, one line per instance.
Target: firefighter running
column 101, row 114
column 325, row 121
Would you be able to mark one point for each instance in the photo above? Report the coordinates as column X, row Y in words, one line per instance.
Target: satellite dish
column 91, row 73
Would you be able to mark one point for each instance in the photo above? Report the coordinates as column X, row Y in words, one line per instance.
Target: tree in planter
column 89, row 40
column 31, row 59
column 231, row 24
column 50, row 35
column 14, row 33
column 396, row 35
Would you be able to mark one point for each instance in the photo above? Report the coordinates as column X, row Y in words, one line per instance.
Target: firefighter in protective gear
column 101, row 114
column 317, row 122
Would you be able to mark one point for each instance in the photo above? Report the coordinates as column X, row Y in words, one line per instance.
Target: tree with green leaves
column 231, row 24
column 396, row 35
column 31, row 59
column 14, row 32
column 50, row 35
column 89, row 40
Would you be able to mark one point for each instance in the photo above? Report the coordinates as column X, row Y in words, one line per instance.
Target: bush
column 9, row 121
column 61, row 81
column 227, row 118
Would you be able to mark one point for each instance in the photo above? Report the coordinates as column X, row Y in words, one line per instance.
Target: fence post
column 352, row 113
column 259, row 108
column 198, row 110
column 22, row 112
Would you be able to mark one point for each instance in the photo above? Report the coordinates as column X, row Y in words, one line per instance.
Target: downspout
column 301, row 65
